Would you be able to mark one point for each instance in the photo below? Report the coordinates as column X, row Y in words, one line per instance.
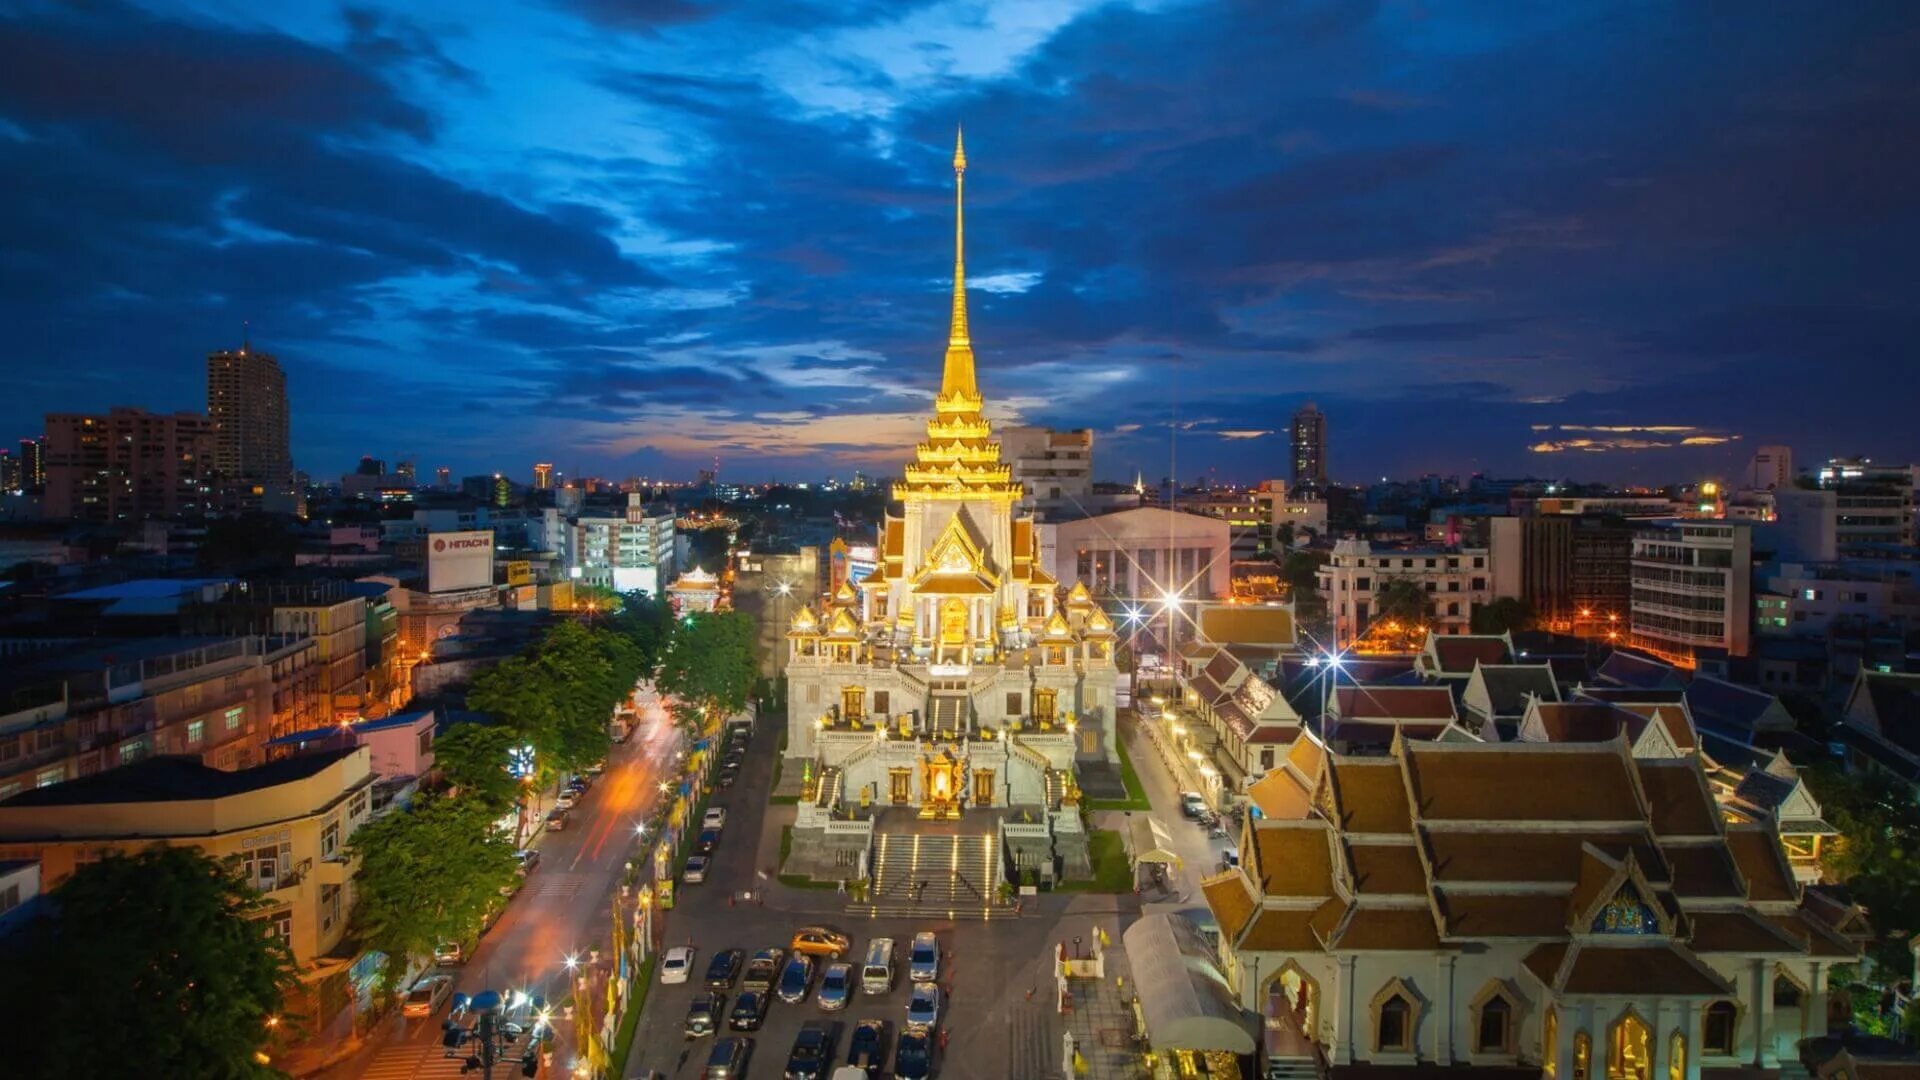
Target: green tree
column 1877, row 854
column 429, row 875
column 150, row 965
column 1402, row 600
column 1507, row 615
column 473, row 758
column 709, row 664
column 646, row 622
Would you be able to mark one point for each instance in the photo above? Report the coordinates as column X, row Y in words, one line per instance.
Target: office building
column 9, row 473
column 1770, row 469
column 1143, row 555
column 1310, row 448
column 443, row 478
column 1806, row 599
column 1574, row 570
column 33, row 465
column 633, row 550
column 542, row 477
column 333, row 613
column 247, row 402
column 127, row 465
column 1053, row 468
column 1456, row 581
column 1692, row 589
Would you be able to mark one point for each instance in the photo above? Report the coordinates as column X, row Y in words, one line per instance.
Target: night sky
column 625, row 236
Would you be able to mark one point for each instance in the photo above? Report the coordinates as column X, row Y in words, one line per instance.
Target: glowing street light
column 572, row 962
column 1170, row 600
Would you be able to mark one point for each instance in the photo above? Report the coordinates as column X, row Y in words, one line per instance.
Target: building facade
column 1456, row 581
column 247, row 402
column 1309, row 440
column 1692, row 589
column 1142, row 556
column 127, row 464
column 1575, row 570
column 633, row 550
column 1053, row 468
column 333, row 613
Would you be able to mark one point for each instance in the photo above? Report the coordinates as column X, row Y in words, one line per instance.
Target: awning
column 1149, row 841
column 1183, row 996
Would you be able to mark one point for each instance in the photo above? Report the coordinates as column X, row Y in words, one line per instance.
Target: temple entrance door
column 853, row 704
column 944, row 781
column 1292, row 1013
column 953, row 628
column 900, row 786
column 983, row 787
column 1628, row 1056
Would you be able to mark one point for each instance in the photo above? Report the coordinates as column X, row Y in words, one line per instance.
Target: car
column 706, row 841
column 677, row 964
column 704, row 1013
column 427, row 995
column 724, row 968
column 449, row 952
column 749, row 1010
column 728, row 1060
column 867, row 1050
column 796, row 979
column 567, row 799
column 557, row 819
column 696, row 871
column 529, row 861
column 1192, row 804
column 820, row 941
column 578, row 785
column 597, row 767
column 923, row 959
column 812, row 1053
column 923, row 1006
column 836, row 986
column 913, row 1058
column 763, row 968
column 876, row 975
column 728, row 776
column 714, row 818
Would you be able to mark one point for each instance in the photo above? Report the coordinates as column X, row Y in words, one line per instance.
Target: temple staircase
column 947, row 715
column 956, row 876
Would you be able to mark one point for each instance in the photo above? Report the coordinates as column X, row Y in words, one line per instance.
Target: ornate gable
column 955, row 552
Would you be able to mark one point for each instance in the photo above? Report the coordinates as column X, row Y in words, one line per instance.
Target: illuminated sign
column 459, row 560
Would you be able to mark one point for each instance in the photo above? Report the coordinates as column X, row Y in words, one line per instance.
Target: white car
column 676, row 964
column 696, row 871
column 716, row 818
column 427, row 996
column 566, row 799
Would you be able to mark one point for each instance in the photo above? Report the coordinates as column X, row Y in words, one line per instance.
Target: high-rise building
column 127, row 465
column 1310, row 447
column 443, row 478
column 1771, row 468
column 33, row 464
column 542, row 476
column 9, row 473
column 407, row 471
column 1692, row 588
column 247, row 402
column 1054, row 468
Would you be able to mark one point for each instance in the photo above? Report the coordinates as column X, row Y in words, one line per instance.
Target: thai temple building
column 959, row 683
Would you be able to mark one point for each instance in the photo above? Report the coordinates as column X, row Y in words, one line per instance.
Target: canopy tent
column 1184, row 998
column 1149, row 842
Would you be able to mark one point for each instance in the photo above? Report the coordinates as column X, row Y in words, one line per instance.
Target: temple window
column 1786, row 992
column 880, row 703
column 1493, row 1020
column 1396, row 1025
column 1719, row 1028
column 1550, row 1044
column 1013, row 703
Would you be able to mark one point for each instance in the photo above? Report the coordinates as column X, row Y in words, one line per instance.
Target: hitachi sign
column 459, row 560
column 456, row 545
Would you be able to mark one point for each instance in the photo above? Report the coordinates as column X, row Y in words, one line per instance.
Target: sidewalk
column 1102, row 1017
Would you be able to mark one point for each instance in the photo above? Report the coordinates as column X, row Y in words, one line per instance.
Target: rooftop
column 175, row 779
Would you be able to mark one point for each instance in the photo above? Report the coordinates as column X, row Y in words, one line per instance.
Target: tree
column 709, row 663
column 429, row 875
column 1403, row 601
column 1877, row 854
column 646, row 622
column 1507, row 615
column 473, row 758
column 149, row 964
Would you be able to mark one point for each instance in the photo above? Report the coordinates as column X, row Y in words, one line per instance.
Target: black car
column 724, row 968
column 729, row 1058
column 868, row 1047
column 706, row 841
column 812, row 1051
column 749, row 1011
column 703, row 1016
column 913, row 1060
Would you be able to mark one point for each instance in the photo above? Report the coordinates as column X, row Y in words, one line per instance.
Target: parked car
column 579, row 784
column 703, row 1015
column 677, row 964
column 728, row 776
column 597, row 767
column 836, row 986
column 696, row 871
column 812, row 1053
column 923, row 959
column 796, row 979
column 449, row 952
column 427, row 995
column 567, row 799
column 749, row 1011
column 1192, row 804
column 529, row 861
column 557, row 819
column 728, row 1060
column 923, row 1006
column 876, row 975
column 820, row 941
column 724, row 968
column 763, row 969
column 714, row 818
column 867, row 1050
column 913, row 1058
column 706, row 841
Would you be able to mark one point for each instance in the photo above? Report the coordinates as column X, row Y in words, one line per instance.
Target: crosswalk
column 413, row 1062
column 563, row 885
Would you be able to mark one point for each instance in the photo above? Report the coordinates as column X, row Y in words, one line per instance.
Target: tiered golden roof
column 960, row 459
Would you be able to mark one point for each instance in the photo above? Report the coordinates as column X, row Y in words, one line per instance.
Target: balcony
column 335, row 869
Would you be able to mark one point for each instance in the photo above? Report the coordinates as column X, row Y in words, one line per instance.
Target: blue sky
column 1626, row 241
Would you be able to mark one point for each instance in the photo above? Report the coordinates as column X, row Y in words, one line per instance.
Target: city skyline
column 1496, row 249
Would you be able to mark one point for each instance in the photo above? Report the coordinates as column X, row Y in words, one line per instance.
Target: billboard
column 459, row 560
column 519, row 572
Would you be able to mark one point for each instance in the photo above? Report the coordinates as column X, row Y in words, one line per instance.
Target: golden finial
column 957, row 386
column 959, row 150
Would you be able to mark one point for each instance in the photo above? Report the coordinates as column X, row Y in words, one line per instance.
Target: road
column 564, row 909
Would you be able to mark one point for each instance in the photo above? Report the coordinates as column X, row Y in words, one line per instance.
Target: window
column 1786, row 992
column 9, row 789
column 1479, row 584
column 196, row 731
column 1395, row 1030
column 133, row 751
column 330, row 839
column 357, row 806
column 236, row 716
column 262, row 869
column 50, row 777
column 9, row 898
column 1453, row 608
column 1718, row 1031
column 1453, row 586
column 1494, row 1032
column 881, row 702
column 329, row 906
column 9, row 749
column 1013, row 704
column 1266, row 757
column 279, row 926
column 1362, row 584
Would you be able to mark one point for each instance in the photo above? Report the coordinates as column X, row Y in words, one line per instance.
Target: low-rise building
column 1141, row 556
column 399, row 746
column 333, row 613
column 283, row 825
column 1806, row 599
column 1457, row 580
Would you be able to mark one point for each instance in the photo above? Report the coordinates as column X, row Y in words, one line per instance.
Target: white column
column 1562, row 1050
column 1658, row 1021
column 1343, row 1019
column 1449, row 1009
column 1695, row 1026
column 1763, row 1055
column 1816, row 1014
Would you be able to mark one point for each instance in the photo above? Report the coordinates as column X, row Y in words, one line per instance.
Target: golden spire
column 958, row 392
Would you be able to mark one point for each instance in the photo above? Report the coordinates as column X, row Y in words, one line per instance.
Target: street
column 564, row 909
